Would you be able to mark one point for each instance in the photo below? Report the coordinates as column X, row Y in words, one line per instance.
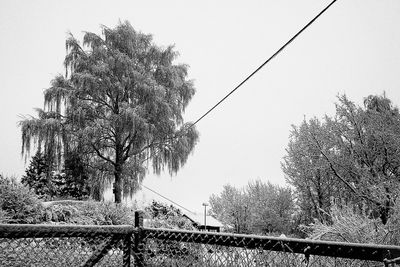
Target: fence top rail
column 44, row 230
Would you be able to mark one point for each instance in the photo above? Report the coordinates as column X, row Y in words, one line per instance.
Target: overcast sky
column 354, row 48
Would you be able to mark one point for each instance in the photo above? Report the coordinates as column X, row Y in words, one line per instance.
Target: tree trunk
column 384, row 214
column 384, row 209
column 117, row 186
column 118, row 168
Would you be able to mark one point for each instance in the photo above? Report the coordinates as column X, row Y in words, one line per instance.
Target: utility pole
column 205, row 216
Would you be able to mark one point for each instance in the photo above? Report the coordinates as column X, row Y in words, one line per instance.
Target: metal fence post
column 139, row 239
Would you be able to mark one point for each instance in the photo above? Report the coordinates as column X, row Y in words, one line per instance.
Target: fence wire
column 171, row 253
column 43, row 245
column 69, row 251
column 29, row 245
column 182, row 248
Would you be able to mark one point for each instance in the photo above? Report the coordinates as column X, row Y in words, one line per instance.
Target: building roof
column 199, row 219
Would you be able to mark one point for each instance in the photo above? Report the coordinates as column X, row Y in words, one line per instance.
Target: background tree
column 309, row 173
column 120, row 103
column 271, row 207
column 231, row 208
column 258, row 208
column 369, row 139
column 356, row 152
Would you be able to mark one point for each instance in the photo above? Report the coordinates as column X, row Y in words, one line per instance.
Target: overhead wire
column 243, row 82
column 167, row 198
column 265, row 62
column 251, row 74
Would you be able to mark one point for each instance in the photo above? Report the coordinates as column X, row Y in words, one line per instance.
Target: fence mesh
column 137, row 246
column 54, row 246
column 68, row 251
column 199, row 250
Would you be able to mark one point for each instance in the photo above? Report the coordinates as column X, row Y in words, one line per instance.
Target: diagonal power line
column 251, row 74
column 243, row 82
column 265, row 63
column 166, row 198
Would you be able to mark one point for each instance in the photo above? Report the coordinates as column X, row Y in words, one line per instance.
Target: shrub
column 108, row 213
column 3, row 215
column 349, row 225
column 117, row 213
column 163, row 216
column 18, row 203
column 88, row 213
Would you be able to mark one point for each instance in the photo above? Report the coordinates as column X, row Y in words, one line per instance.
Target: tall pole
column 205, row 216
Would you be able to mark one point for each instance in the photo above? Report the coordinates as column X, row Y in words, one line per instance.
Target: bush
column 108, row 213
column 18, row 203
column 349, row 225
column 3, row 216
column 88, row 213
column 160, row 215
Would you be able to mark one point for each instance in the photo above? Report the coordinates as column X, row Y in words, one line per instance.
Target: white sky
column 354, row 48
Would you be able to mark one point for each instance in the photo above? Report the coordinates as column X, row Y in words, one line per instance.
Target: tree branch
column 339, row 176
column 101, row 156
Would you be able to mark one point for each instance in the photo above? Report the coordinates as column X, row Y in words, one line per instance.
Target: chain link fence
column 51, row 245
column 162, row 247
column 44, row 245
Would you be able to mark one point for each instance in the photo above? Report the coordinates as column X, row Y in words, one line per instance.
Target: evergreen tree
column 71, row 182
column 76, row 178
column 37, row 175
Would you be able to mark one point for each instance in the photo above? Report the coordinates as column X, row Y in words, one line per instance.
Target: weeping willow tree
column 120, row 104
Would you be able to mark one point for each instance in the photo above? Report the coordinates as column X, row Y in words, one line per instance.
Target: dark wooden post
column 127, row 249
column 139, row 239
